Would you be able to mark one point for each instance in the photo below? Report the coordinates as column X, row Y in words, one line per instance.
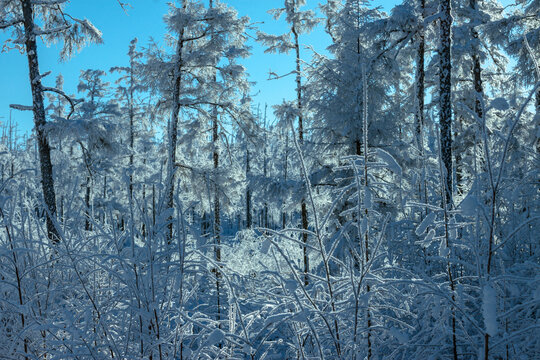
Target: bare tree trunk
column 248, row 191
column 303, row 210
column 265, row 167
column 47, row 180
column 445, row 93
column 477, row 72
column 458, row 128
column 366, row 210
column 538, row 119
column 217, row 218
column 144, row 205
column 285, row 175
column 217, row 205
column 445, row 110
column 87, row 225
column 153, row 207
column 104, row 195
column 420, row 81
column 173, row 128
column 131, row 128
column 479, row 92
column 420, row 104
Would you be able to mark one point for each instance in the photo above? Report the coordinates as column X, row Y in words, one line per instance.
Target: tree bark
column 303, row 207
column 131, row 125
column 47, row 180
column 217, row 205
column 445, row 120
column 248, row 191
column 420, row 80
column 285, row 175
column 538, row 120
column 87, row 225
column 445, row 94
column 420, row 102
column 173, row 128
column 217, row 218
column 265, row 167
column 479, row 90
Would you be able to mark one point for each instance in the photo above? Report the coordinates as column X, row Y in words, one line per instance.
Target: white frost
column 265, row 246
column 390, row 161
column 489, row 310
column 367, row 198
column 291, row 285
column 215, row 337
column 468, row 205
column 443, row 249
column 428, row 221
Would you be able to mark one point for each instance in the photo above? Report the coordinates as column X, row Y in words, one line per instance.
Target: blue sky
column 144, row 20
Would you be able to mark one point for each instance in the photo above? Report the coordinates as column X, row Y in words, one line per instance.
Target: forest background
column 378, row 198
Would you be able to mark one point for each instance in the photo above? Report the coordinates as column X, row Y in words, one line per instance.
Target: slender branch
column 6, row 24
column 72, row 102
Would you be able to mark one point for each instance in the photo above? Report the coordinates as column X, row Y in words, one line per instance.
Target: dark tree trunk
column 248, row 192
column 144, row 209
column 479, row 92
column 131, row 129
column 217, row 218
column 478, row 87
column 445, row 94
column 47, row 180
column 538, row 121
column 420, row 80
column 217, row 205
column 104, row 196
column 420, row 95
column 265, row 168
column 87, row 225
column 445, row 120
column 458, row 128
column 153, row 207
column 303, row 206
column 173, row 129
column 285, row 176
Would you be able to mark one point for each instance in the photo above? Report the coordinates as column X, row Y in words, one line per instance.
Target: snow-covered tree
column 207, row 41
column 174, row 192
column 300, row 22
column 27, row 20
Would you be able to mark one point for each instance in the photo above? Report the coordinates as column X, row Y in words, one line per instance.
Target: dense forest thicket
column 390, row 211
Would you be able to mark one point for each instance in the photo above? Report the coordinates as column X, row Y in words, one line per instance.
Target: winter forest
column 389, row 209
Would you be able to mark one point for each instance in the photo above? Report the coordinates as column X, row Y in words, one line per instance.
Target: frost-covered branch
column 21, row 107
column 6, row 24
column 72, row 102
